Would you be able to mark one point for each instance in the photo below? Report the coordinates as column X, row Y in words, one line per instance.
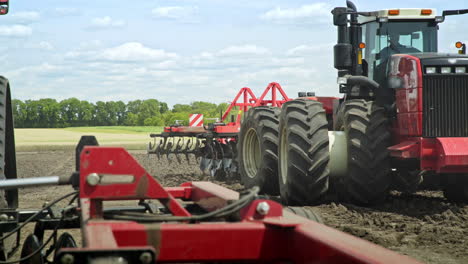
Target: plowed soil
column 422, row 225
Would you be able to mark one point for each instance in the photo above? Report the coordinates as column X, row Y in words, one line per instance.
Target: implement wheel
column 257, row 149
column 303, row 152
column 367, row 135
column 455, row 187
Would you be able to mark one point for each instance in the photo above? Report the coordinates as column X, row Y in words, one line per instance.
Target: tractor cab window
column 403, row 37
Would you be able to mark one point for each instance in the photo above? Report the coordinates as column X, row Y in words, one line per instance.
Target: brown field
column 65, row 139
column 422, row 225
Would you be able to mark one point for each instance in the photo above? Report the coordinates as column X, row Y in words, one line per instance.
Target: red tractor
column 403, row 116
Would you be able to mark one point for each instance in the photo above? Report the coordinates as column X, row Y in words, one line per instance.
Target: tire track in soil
column 423, row 225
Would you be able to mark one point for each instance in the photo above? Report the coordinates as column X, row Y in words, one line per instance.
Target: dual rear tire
column 303, row 153
column 305, row 171
column 287, row 152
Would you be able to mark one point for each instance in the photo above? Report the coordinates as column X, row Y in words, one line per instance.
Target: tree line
column 72, row 112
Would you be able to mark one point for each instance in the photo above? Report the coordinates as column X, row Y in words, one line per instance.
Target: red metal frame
column 273, row 95
column 244, row 99
column 249, row 100
column 274, row 88
column 276, row 237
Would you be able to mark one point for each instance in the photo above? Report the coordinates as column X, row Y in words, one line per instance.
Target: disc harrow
column 213, row 145
column 175, row 146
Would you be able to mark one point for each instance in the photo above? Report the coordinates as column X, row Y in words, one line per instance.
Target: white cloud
column 213, row 75
column 135, row 51
column 25, row 17
column 106, row 22
column 310, row 49
column 15, row 31
column 175, row 12
column 243, row 50
column 45, row 45
column 66, row 11
column 313, row 13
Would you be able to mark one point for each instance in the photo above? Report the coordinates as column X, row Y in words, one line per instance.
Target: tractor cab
column 367, row 41
column 397, row 31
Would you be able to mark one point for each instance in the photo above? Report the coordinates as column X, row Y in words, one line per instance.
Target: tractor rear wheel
column 257, row 149
column 368, row 137
column 303, row 152
column 456, row 187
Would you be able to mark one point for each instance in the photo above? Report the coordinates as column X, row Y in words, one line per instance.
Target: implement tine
column 168, row 148
column 178, row 149
column 188, row 149
column 198, row 151
column 160, row 147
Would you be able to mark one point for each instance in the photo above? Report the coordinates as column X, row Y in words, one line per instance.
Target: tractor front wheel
column 367, row 134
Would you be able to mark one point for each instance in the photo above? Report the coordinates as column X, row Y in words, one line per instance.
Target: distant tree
column 121, row 112
column 48, row 113
column 85, row 113
column 73, row 112
column 163, row 108
column 100, row 114
column 171, row 117
column 180, row 108
column 19, row 112
column 69, row 109
column 131, row 120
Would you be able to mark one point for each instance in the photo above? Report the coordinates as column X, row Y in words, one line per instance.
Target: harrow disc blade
column 205, row 165
column 215, row 167
column 227, row 164
column 30, row 245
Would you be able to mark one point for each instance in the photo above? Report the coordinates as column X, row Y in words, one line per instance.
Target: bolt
column 93, row 179
column 3, row 217
column 263, row 208
column 146, row 258
column 121, row 260
column 67, row 259
column 11, row 218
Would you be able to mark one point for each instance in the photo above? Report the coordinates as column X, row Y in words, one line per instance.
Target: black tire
column 258, row 148
column 306, row 213
column 367, row 130
column 455, row 187
column 407, row 181
column 8, row 198
column 303, row 153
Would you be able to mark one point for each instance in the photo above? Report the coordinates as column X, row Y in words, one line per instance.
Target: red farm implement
column 215, row 144
column 198, row 222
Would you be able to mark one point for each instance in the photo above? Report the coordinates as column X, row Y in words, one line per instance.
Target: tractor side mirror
column 4, row 4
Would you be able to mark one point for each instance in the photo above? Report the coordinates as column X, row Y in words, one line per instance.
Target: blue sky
column 179, row 51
